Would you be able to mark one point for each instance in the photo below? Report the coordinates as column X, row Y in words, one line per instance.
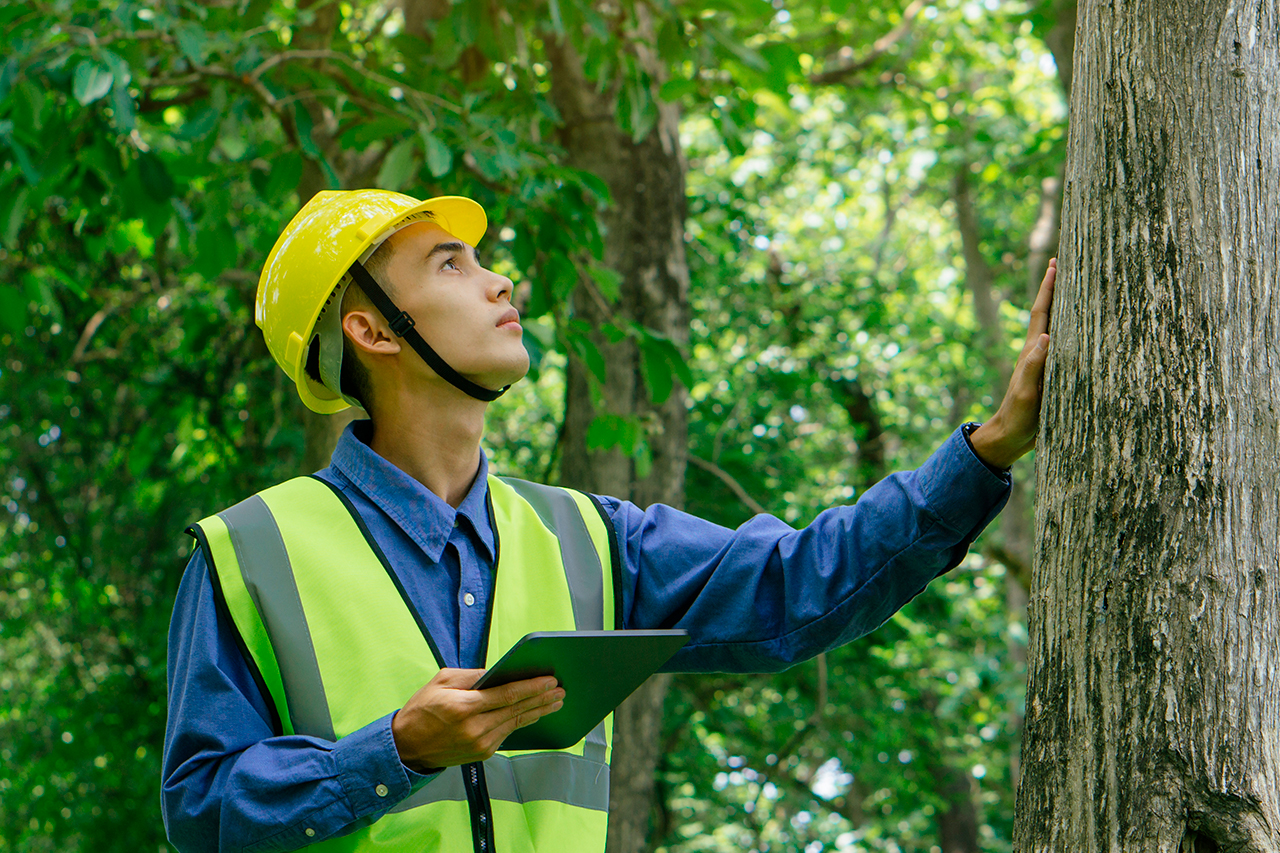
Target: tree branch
column 879, row 48
column 734, row 486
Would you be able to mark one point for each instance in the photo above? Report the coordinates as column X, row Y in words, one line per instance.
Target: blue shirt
column 756, row 599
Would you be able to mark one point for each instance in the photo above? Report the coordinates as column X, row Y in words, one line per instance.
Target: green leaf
column 216, row 251
column 8, row 73
column 783, row 63
column 487, row 164
column 609, row 281
column 286, row 172
column 398, row 165
column 536, row 349
column 609, row 430
column 39, row 292
column 466, row 24
column 366, row 133
column 200, row 125
column 644, row 111
column 656, row 373
column 439, row 157
column 29, row 171
column 156, row 179
column 745, row 55
column 612, row 333
column 302, row 120
column 122, row 107
column 643, row 457
column 589, row 353
column 90, row 82
column 119, row 69
column 13, row 308
column 67, row 281
column 143, row 451
column 11, row 219
column 30, row 105
column 674, row 90
column 559, row 276
column 193, row 42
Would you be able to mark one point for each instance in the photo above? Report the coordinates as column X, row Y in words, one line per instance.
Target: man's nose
column 499, row 286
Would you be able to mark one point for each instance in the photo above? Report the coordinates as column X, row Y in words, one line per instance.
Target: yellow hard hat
column 307, row 271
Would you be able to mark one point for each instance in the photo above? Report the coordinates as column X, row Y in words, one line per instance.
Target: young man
column 327, row 631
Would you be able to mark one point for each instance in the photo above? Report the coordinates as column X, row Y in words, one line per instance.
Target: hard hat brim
column 460, row 216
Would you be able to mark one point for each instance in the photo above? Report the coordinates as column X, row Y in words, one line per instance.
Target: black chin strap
column 402, row 324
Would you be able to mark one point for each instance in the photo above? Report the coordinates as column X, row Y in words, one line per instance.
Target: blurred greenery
column 151, row 152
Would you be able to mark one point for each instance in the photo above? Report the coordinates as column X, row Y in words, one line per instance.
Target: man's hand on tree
column 1011, row 431
column 447, row 723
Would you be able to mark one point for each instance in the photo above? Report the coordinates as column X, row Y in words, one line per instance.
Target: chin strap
column 402, row 324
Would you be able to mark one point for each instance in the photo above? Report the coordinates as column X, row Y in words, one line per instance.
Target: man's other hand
column 1011, row 431
column 447, row 723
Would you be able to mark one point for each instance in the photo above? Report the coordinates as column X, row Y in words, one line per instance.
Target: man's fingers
column 514, row 693
column 1042, row 308
column 501, row 722
column 532, row 710
column 1037, row 357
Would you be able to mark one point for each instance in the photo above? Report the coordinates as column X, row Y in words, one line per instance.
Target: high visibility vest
column 335, row 644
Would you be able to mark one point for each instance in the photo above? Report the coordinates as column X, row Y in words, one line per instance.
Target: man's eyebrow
column 445, row 248
column 451, row 247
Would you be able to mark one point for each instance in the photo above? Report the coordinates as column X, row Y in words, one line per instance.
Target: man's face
column 461, row 309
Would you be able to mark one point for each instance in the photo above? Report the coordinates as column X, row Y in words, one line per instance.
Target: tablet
column 597, row 669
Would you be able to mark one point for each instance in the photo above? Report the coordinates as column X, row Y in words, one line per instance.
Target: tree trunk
column 1153, row 703
column 644, row 242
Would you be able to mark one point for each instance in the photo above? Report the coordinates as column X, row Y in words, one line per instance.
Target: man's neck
column 437, row 442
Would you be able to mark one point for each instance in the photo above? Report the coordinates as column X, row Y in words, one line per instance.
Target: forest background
column 865, row 194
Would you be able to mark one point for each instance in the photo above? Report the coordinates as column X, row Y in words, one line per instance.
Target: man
column 327, row 631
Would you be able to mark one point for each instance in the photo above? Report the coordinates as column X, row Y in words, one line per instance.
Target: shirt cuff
column 964, row 492
column 371, row 772
column 967, row 430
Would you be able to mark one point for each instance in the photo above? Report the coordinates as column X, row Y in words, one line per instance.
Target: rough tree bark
column 644, row 242
column 1153, row 706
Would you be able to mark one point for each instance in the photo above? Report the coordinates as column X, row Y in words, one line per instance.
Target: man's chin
column 496, row 379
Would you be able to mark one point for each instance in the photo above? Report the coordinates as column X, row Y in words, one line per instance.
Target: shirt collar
column 426, row 518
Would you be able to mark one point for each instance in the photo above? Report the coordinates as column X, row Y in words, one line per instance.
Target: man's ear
column 370, row 333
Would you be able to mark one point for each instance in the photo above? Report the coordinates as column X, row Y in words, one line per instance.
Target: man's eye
column 449, row 263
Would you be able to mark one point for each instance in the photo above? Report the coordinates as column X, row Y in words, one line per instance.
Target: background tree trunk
column 1155, row 622
column 644, row 242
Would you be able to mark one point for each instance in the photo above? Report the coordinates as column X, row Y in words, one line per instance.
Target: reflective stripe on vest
column 297, row 573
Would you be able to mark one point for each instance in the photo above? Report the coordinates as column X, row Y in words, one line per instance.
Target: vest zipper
column 478, row 800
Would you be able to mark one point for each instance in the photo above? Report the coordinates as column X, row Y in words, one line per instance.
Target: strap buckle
column 401, row 324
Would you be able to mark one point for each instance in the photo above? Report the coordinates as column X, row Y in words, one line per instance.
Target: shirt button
column 381, row 790
column 311, row 833
column 469, row 599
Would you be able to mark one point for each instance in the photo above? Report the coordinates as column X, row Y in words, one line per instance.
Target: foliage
column 149, row 155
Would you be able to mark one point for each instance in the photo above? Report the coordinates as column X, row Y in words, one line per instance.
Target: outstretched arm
column 1011, row 431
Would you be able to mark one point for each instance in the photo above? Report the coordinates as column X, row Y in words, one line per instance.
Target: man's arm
column 765, row 596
